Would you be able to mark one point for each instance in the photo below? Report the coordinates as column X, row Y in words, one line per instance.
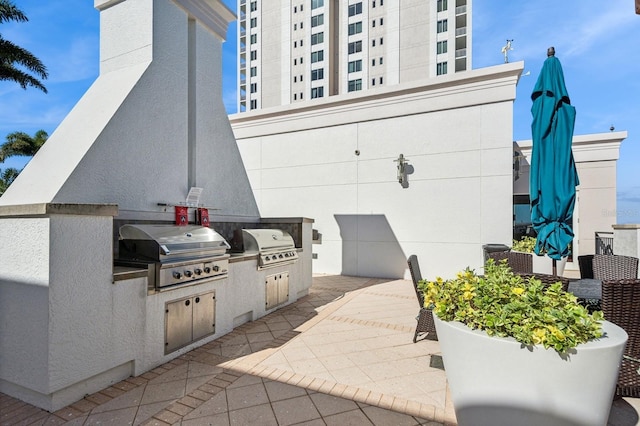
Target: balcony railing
column 461, row 53
column 461, row 31
column 604, row 242
column 461, row 9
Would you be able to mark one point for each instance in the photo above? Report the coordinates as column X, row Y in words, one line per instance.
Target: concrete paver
column 343, row 355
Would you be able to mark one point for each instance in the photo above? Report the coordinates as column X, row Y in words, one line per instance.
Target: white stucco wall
column 456, row 133
column 58, row 324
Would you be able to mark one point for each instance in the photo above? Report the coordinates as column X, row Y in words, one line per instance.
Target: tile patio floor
column 343, row 355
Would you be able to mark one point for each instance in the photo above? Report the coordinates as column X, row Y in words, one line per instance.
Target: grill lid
column 266, row 240
column 154, row 241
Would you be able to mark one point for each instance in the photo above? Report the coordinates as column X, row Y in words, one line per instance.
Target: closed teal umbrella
column 553, row 175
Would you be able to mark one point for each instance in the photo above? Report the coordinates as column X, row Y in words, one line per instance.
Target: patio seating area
column 343, row 355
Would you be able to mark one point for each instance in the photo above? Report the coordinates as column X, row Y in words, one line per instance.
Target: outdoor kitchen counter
column 123, row 273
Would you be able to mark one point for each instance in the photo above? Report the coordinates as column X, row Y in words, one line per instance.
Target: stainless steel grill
column 274, row 247
column 174, row 255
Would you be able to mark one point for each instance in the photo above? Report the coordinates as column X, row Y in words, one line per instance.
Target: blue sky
column 595, row 41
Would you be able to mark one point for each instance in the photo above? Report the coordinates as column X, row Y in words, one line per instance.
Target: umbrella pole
column 554, row 267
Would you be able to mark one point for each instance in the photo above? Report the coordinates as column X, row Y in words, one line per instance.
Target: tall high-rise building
column 296, row 50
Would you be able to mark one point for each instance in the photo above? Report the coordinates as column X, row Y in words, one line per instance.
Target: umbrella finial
column 551, row 51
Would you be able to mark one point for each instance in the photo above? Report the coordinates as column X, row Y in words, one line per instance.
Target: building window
column 295, row 9
column 380, row 80
column 295, row 61
column 373, row 3
column 373, row 81
column 301, row 43
column 254, row 104
column 355, row 9
column 355, row 85
column 254, row 87
column 301, row 7
column 381, row 41
column 441, row 68
column 381, row 2
column 301, row 25
column 254, row 55
column 295, row 44
column 295, row 78
column 254, row 22
column 317, row 74
column 373, row 42
column 442, row 5
column 295, row 27
column 295, row 96
column 301, row 95
column 443, row 26
column 254, row 6
column 355, row 47
column 355, row 28
column 254, row 71
column 381, row 21
column 254, row 38
column 315, row 4
column 442, row 46
column 316, row 38
column 373, row 62
column 373, row 23
column 380, row 61
column 317, row 92
column 301, row 77
column 317, row 20
column 317, row 56
column 355, row 66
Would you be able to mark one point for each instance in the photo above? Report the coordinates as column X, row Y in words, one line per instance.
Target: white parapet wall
column 335, row 160
column 626, row 240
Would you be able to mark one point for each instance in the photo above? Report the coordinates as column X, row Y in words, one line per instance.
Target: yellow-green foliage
column 504, row 304
column 525, row 244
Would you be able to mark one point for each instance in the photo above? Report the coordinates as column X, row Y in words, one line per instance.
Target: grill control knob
column 266, row 258
column 216, row 268
column 198, row 271
column 207, row 269
column 177, row 275
column 280, row 256
column 188, row 273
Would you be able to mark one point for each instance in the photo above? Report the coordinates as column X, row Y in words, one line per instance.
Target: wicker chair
column 548, row 279
column 517, row 261
column 425, row 316
column 621, row 306
column 614, row 267
column 585, row 262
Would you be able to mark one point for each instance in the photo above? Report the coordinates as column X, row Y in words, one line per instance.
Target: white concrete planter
column 544, row 264
column 496, row 381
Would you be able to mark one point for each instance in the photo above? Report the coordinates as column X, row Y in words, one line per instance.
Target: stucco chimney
column 153, row 124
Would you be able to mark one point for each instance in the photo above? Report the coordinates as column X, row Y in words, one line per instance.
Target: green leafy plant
column 525, row 244
column 504, row 304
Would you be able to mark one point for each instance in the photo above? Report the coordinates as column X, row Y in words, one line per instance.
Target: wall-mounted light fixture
column 402, row 170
